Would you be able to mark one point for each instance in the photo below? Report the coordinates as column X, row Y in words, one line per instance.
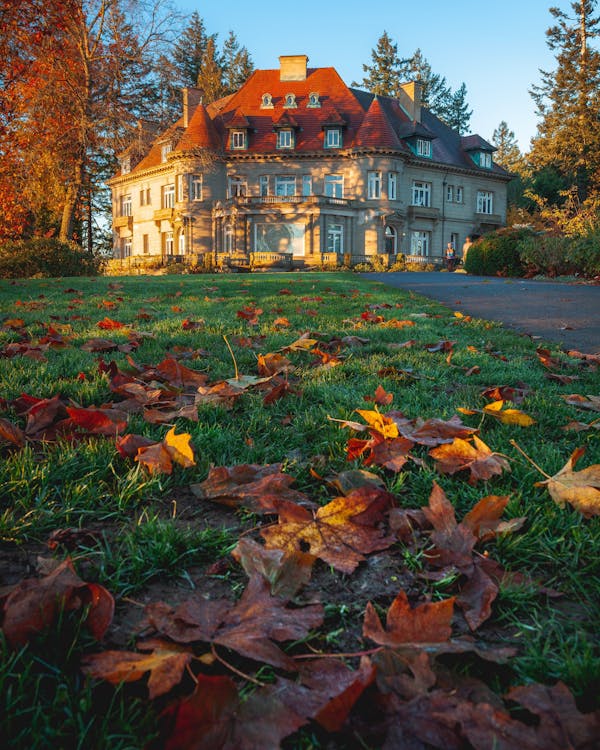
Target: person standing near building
column 450, row 257
column 465, row 249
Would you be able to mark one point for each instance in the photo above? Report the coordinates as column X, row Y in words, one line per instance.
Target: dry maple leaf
column 34, row 604
column 461, row 455
column 426, row 623
column 166, row 664
column 10, row 433
column 579, row 488
column 261, row 489
column 583, row 402
column 340, row 533
column 286, row 571
column 508, row 416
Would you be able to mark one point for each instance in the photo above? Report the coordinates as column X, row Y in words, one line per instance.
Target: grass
column 154, row 537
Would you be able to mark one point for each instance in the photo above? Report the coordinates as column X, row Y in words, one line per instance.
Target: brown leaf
column 461, row 455
column 10, row 433
column 381, row 397
column 583, row 402
column 33, row 605
column 339, row 532
column 476, row 597
column 484, row 518
column 426, row 623
column 579, row 488
column 261, row 489
column 286, row 572
column 179, row 375
column 166, row 665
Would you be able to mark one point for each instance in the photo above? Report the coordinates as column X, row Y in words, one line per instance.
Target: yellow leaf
column 179, row 448
column 579, row 488
column 379, row 422
column 508, row 416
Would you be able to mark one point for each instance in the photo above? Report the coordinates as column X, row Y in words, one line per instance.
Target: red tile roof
column 200, row 133
column 376, row 129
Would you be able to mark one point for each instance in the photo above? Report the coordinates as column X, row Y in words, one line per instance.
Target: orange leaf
column 461, row 455
column 427, row 623
column 179, row 448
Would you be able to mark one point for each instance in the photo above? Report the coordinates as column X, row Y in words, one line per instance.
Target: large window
column 285, row 138
column 419, row 243
column 423, row 147
column 126, row 205
column 485, row 160
column 238, row 139
column 392, row 186
column 421, row 193
column 374, row 185
column 485, row 202
column 334, row 185
column 168, row 242
column 391, row 239
column 168, row 196
column 285, row 185
column 236, row 187
column 335, row 238
column 127, row 247
column 181, row 242
column 195, row 187
column 263, row 184
column 333, row 138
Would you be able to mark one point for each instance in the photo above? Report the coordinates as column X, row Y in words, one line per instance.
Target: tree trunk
column 71, row 200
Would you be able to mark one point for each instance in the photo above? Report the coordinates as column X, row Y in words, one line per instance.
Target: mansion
column 298, row 167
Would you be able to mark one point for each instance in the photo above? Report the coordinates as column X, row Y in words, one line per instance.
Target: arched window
column 181, row 242
column 290, row 100
column 313, row 99
column 391, row 240
column 266, row 101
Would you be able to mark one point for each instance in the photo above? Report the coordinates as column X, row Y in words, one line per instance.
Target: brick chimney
column 292, row 67
column 409, row 98
column 192, row 97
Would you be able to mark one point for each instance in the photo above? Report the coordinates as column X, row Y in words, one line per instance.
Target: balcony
column 423, row 212
column 123, row 222
column 162, row 214
column 270, row 200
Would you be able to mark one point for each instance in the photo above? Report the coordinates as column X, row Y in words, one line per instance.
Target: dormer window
column 333, row 138
column 165, row 150
column 239, row 139
column 290, row 101
column 266, row 101
column 423, row 147
column 485, row 160
column 285, row 138
column 313, row 100
column 125, row 165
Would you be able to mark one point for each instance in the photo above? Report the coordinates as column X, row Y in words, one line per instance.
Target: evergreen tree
column 384, row 74
column 188, row 52
column 568, row 102
column 237, row 64
column 458, row 114
column 436, row 94
column 508, row 154
column 210, row 75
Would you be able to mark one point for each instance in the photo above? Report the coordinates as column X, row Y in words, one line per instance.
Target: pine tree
column 436, row 94
column 237, row 64
column 384, row 74
column 188, row 52
column 508, row 154
column 458, row 114
column 210, row 76
column 568, row 102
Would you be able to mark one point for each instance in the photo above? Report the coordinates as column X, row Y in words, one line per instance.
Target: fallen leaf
column 338, row 533
column 426, row 623
column 579, row 488
column 461, row 455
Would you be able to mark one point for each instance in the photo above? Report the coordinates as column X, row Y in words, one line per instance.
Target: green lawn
column 151, row 538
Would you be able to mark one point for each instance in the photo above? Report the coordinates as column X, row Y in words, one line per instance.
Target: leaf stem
column 229, row 666
column 235, row 367
column 531, row 461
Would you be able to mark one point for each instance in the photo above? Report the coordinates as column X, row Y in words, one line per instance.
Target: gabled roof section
column 154, row 157
column 332, row 118
column 200, row 133
column 376, row 130
column 286, row 121
column 476, row 143
column 239, row 121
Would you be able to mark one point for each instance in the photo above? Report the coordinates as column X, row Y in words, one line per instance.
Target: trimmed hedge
column 497, row 254
column 45, row 257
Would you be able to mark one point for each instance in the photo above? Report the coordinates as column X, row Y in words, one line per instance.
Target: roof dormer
column 289, row 101
column 266, row 101
column 314, row 100
column 479, row 150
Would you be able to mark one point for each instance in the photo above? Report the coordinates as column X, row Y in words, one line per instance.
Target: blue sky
column 496, row 48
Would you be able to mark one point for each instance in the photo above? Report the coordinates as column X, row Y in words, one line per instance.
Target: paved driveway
column 564, row 313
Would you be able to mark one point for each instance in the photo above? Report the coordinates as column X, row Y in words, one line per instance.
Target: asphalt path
column 564, row 313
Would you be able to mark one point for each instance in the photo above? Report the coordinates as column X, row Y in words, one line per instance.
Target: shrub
column 584, row 253
column 44, row 257
column 546, row 254
column 497, row 253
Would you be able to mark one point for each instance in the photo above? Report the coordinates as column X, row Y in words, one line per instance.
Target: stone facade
column 298, row 167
